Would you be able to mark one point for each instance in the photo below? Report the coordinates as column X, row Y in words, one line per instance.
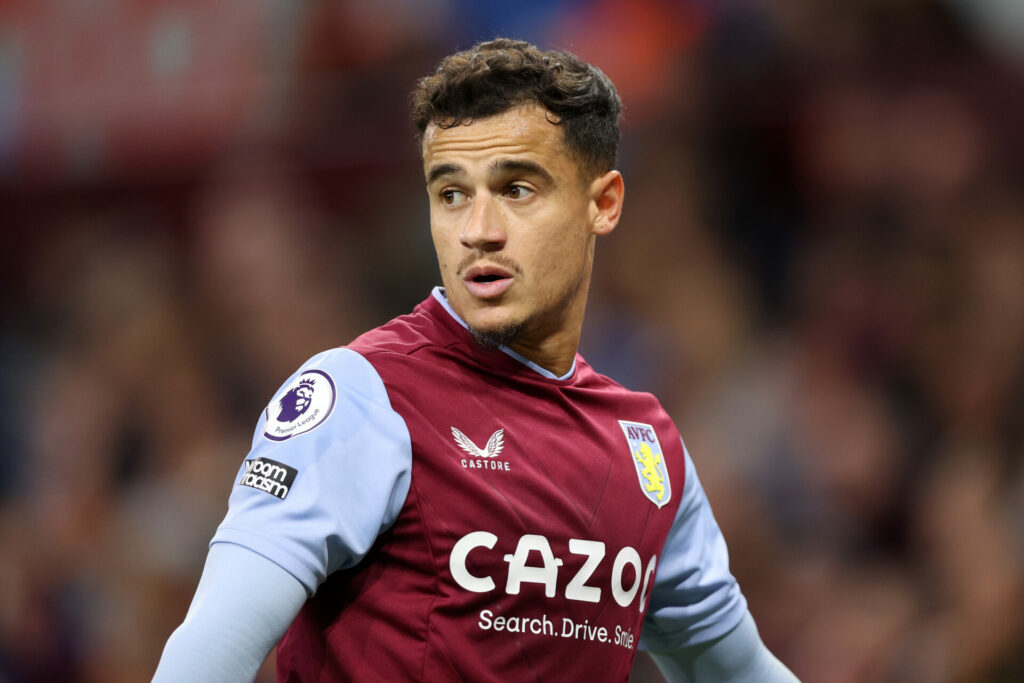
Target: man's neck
column 553, row 344
column 553, row 358
column 556, row 354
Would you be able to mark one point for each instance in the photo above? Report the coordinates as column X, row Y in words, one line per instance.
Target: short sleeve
column 328, row 471
column 695, row 598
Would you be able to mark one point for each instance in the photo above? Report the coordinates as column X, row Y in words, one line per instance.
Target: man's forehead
column 522, row 130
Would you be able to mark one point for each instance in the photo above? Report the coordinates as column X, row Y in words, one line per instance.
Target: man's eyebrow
column 523, row 166
column 443, row 170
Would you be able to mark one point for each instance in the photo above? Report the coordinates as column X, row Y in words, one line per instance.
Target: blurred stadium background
column 820, row 271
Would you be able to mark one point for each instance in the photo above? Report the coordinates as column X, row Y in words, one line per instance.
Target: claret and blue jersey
column 458, row 513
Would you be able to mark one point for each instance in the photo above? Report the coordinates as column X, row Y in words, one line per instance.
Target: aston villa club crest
column 649, row 461
column 301, row 406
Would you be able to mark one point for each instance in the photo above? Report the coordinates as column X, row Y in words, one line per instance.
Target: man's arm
column 737, row 657
column 242, row 607
column 286, row 528
column 697, row 626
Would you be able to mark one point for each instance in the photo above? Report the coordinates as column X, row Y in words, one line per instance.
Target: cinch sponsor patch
column 268, row 475
column 301, row 406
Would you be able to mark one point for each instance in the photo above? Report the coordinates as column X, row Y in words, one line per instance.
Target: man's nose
column 484, row 229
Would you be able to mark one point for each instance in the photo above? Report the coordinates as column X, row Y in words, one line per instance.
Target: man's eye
column 518, row 192
column 453, row 197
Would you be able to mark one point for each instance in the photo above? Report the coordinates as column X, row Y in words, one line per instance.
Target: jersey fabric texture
column 457, row 513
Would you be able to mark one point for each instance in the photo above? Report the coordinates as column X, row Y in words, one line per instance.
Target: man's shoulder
column 592, row 379
column 401, row 335
column 405, row 335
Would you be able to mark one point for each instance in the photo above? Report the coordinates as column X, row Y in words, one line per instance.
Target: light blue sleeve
column 737, row 657
column 328, row 471
column 227, row 633
column 695, row 597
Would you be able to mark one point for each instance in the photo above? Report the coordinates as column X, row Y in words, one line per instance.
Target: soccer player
column 458, row 495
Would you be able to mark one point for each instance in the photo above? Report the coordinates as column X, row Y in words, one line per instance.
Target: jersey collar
column 439, row 295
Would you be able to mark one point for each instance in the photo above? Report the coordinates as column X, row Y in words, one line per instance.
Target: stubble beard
column 511, row 332
column 503, row 336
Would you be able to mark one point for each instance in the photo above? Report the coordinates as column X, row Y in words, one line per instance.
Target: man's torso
column 527, row 544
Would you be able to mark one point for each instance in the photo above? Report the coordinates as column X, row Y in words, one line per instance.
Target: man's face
column 513, row 221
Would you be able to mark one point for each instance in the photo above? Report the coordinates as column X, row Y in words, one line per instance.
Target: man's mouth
column 487, row 281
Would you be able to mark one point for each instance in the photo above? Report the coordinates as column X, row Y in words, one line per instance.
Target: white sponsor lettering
column 651, row 565
column 546, row 572
column 485, row 464
column 583, row 631
column 265, row 469
column 578, row 588
column 269, row 476
column 624, row 638
column 265, row 484
column 543, row 625
column 519, row 572
column 629, row 556
column 457, row 561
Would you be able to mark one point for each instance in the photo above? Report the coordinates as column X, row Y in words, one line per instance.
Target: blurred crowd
column 820, row 271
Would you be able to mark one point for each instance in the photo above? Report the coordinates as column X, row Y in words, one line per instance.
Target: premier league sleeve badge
column 300, row 406
column 649, row 461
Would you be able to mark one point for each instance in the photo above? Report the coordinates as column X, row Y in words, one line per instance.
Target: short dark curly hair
column 498, row 75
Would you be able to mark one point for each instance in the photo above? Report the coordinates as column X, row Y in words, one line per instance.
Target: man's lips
column 487, row 281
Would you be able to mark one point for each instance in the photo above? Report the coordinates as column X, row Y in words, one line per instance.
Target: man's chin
column 497, row 336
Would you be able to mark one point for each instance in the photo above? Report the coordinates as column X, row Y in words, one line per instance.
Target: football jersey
column 459, row 513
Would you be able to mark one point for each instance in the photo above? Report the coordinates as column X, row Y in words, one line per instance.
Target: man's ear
column 606, row 192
